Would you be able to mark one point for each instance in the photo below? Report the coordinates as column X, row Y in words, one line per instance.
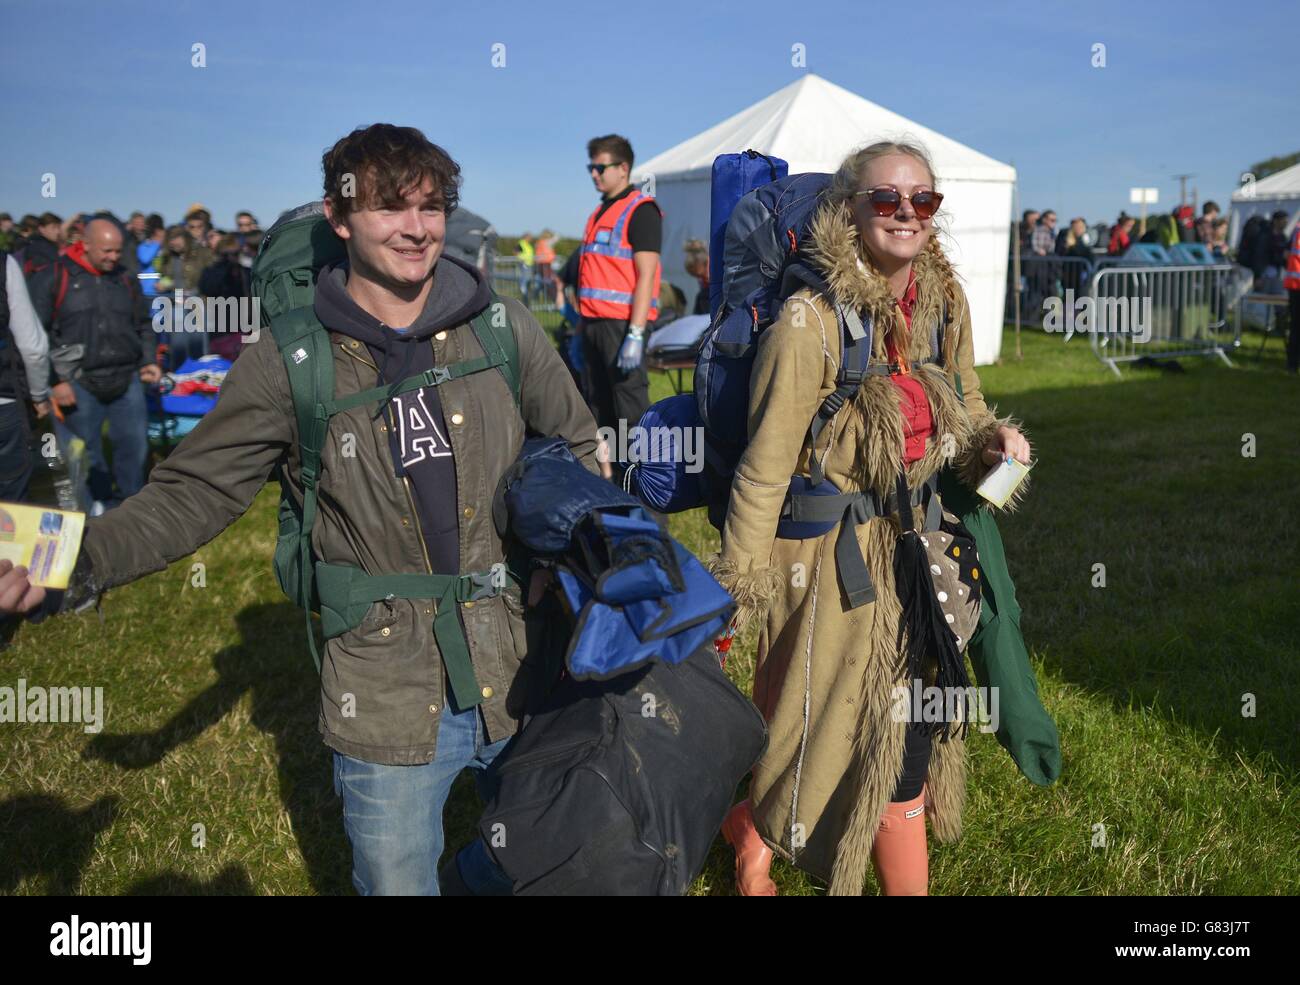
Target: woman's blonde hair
column 845, row 181
column 848, row 177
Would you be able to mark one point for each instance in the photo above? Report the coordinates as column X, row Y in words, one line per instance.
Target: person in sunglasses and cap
column 847, row 781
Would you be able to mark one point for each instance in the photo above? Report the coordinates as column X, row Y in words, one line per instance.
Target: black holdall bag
column 619, row 787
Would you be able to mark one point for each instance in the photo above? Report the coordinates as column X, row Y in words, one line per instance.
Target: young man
column 618, row 284
column 406, row 491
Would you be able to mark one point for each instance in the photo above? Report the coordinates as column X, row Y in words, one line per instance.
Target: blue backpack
column 759, row 219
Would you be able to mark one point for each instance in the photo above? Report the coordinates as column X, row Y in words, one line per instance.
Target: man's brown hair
column 612, row 144
column 385, row 163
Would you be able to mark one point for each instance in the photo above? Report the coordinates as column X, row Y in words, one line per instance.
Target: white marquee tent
column 813, row 124
column 1279, row 191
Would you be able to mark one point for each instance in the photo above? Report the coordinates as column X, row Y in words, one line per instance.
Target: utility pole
column 1182, row 187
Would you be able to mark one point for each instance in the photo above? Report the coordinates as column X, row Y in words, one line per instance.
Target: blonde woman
column 844, row 783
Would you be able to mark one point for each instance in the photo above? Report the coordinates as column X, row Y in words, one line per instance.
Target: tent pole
column 1015, row 252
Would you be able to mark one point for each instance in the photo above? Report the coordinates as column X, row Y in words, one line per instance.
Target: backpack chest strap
column 436, row 376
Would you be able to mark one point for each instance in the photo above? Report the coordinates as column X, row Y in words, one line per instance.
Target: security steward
column 618, row 286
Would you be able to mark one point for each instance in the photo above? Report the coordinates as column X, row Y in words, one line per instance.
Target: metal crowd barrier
column 510, row 280
column 1043, row 277
column 1160, row 312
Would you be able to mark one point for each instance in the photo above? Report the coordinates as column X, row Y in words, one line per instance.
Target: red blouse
column 918, row 422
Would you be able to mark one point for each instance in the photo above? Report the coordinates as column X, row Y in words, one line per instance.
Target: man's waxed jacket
column 383, row 688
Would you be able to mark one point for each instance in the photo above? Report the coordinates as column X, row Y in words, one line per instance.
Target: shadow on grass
column 45, row 839
column 1200, row 548
column 270, row 665
column 230, row 881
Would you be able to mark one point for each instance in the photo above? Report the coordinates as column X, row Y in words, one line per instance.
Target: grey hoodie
column 417, row 436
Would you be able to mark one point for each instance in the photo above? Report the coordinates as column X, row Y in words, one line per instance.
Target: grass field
column 211, row 701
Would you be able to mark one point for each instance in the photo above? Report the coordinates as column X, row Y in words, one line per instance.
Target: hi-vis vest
column 606, row 275
column 1291, row 280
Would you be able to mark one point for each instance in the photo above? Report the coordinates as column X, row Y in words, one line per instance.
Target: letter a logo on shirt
column 417, row 432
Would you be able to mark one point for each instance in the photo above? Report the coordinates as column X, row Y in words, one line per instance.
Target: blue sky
column 104, row 96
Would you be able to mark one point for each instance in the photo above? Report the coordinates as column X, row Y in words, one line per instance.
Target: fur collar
column 835, row 250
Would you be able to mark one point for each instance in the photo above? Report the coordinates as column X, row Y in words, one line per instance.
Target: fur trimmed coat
column 826, row 673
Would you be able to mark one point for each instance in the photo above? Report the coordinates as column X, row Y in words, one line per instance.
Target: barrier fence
column 1160, row 313
column 1043, row 277
column 510, row 279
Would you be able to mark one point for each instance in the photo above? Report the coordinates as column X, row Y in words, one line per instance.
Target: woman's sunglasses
column 600, row 168
column 885, row 201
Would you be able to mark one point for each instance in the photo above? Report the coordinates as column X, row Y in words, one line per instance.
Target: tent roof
column 1284, row 184
column 813, row 124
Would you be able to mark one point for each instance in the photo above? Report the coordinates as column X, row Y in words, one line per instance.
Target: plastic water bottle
column 52, row 464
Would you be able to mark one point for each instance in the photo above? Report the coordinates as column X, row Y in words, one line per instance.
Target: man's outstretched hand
column 17, row 594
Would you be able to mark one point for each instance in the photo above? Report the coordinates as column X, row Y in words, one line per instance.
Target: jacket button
column 405, row 522
column 488, row 692
column 458, row 418
column 440, row 336
column 384, row 428
column 385, row 631
column 469, row 605
column 433, row 709
column 354, row 343
column 428, row 612
column 469, row 512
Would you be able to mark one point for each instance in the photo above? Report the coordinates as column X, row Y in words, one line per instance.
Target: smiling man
column 405, row 488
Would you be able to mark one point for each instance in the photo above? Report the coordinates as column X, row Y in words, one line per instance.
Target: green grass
column 211, row 701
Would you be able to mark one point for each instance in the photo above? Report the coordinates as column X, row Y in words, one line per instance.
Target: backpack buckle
column 438, row 375
column 476, row 586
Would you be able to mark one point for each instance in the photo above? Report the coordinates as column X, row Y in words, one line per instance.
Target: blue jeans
column 393, row 814
column 128, row 427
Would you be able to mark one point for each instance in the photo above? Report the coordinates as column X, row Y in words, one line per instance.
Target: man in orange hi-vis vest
column 1291, row 281
column 618, row 285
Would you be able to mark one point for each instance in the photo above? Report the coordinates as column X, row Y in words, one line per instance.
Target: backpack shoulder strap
column 496, row 334
column 304, row 344
column 858, row 334
column 62, row 289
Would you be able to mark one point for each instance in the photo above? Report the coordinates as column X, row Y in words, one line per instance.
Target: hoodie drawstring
column 399, row 470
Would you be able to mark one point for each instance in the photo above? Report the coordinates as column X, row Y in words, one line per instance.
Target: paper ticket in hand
column 44, row 541
column 999, row 484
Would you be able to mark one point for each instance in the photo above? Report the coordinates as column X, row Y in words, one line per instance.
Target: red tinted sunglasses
column 885, row 201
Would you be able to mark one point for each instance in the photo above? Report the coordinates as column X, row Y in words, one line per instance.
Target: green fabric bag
column 997, row 650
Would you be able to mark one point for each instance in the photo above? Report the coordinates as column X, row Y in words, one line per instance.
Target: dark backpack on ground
column 622, row 785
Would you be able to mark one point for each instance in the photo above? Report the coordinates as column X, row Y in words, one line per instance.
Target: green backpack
column 291, row 257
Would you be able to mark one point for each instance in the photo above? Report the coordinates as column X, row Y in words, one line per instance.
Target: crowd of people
column 1038, row 234
column 81, row 296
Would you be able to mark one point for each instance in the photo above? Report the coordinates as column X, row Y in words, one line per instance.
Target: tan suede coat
column 825, row 672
